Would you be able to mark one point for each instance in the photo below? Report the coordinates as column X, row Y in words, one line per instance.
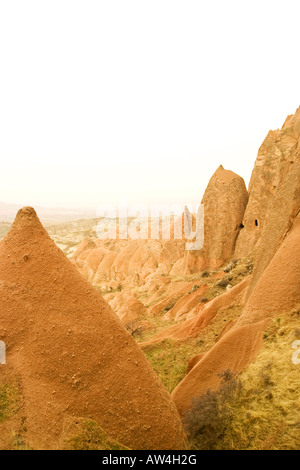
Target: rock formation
column 277, row 290
column 225, row 201
column 128, row 308
column 272, row 227
column 201, row 316
column 277, row 165
column 276, row 293
column 71, row 353
column 237, row 349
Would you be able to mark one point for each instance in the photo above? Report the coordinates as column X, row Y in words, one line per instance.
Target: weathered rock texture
column 272, row 227
column 276, row 293
column 71, row 352
column 274, row 187
column 128, row 308
column 237, row 349
column 278, row 289
column 127, row 261
column 224, row 201
column 201, row 316
column 132, row 261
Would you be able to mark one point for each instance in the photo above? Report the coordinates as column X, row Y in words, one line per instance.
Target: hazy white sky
column 139, row 99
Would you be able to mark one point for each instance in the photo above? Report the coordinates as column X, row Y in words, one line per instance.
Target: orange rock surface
column 71, row 353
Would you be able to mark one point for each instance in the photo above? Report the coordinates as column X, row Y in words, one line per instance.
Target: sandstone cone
column 225, row 201
column 71, row 352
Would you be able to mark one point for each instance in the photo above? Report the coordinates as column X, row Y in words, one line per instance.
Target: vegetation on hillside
column 261, row 409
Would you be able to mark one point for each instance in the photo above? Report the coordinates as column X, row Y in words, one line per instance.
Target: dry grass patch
column 263, row 413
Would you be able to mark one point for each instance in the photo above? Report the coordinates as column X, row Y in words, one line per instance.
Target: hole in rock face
column 256, row 223
column 241, row 226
